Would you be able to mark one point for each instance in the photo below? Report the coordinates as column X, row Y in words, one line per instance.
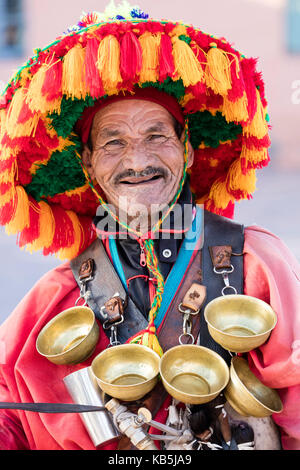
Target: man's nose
column 137, row 157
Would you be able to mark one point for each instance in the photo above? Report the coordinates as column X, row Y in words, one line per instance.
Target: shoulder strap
column 103, row 286
column 220, row 231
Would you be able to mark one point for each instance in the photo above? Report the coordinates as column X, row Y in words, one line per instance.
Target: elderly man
column 148, row 121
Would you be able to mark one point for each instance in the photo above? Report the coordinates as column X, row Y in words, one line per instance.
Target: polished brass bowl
column 193, row 374
column 247, row 395
column 70, row 337
column 239, row 323
column 127, row 372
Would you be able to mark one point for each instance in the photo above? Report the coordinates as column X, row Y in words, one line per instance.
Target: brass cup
column 70, row 337
column 247, row 395
column 126, row 372
column 193, row 374
column 239, row 323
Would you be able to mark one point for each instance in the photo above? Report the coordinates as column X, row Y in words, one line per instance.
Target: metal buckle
column 187, row 310
column 105, row 327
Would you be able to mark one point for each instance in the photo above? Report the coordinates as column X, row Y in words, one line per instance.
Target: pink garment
column 271, row 274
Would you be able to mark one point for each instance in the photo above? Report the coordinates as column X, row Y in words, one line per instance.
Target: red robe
column 271, row 273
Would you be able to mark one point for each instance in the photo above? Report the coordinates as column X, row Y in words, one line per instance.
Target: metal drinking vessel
column 126, row 372
column 247, row 395
column 70, row 337
column 239, row 323
column 85, row 391
column 193, row 374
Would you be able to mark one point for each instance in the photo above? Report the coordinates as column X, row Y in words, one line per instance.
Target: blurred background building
column 268, row 29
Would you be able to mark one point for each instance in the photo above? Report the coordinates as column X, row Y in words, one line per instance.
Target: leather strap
column 220, row 231
column 221, row 256
column 103, row 287
column 171, row 329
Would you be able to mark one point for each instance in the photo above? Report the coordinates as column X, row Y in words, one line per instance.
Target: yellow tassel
column 237, row 181
column 150, row 57
column 186, row 63
column 179, row 30
column 35, row 99
column 217, row 71
column 254, row 156
column 13, row 128
column 47, row 228
column 72, row 251
column 21, row 218
column 109, row 63
column 73, row 83
column 2, row 122
column 8, row 176
column 7, row 152
column 258, row 127
column 219, row 194
column 236, row 111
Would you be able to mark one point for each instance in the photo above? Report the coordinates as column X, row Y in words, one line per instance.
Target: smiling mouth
column 140, row 180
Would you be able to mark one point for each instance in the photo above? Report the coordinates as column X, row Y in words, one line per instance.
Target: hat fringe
column 217, row 71
column 20, row 218
column 130, row 57
column 186, row 64
column 258, row 127
column 92, row 77
column 73, row 83
column 108, row 63
column 46, row 228
column 150, row 45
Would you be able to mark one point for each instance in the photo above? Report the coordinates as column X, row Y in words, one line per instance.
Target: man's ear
column 190, row 150
column 87, row 160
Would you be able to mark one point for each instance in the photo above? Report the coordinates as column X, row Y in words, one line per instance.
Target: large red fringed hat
column 44, row 195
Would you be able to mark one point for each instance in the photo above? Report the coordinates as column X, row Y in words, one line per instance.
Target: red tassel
column 7, row 164
column 92, row 77
column 248, row 69
column 53, row 79
column 64, row 233
column 166, row 60
column 25, row 114
column 4, row 187
column 7, row 212
column 131, row 57
column 237, row 80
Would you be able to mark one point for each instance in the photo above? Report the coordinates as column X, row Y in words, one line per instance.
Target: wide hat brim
column 44, row 195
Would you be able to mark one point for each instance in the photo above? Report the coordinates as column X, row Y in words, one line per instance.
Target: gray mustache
column 149, row 171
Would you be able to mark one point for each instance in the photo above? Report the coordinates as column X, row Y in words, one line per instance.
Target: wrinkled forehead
column 134, row 114
column 146, row 95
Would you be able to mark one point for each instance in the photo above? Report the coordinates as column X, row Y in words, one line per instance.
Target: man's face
column 136, row 154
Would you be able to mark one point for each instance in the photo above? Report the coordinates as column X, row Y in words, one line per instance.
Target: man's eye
column 115, row 142
column 157, row 138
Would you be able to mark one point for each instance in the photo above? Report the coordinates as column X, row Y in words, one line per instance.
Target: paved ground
column 275, row 206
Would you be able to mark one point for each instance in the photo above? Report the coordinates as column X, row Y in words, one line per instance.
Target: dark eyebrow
column 158, row 127
column 109, row 133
